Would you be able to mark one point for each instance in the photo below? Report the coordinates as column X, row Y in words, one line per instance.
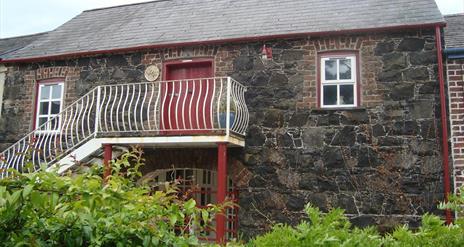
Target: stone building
column 274, row 105
column 454, row 53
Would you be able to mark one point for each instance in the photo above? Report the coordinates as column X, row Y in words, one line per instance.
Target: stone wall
column 380, row 161
column 20, row 96
column 455, row 73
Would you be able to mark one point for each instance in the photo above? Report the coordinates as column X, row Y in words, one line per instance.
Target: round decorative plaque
column 152, row 73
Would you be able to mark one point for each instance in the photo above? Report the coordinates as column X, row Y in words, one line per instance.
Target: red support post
column 221, row 192
column 107, row 155
column 444, row 122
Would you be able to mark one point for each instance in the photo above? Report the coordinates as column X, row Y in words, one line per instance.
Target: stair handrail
column 30, row 138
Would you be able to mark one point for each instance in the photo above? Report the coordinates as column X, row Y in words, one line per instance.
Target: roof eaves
column 454, row 53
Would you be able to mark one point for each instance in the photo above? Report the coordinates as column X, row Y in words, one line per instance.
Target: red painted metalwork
column 231, row 220
column 444, row 122
column 180, row 70
column 320, row 55
column 203, row 197
column 221, row 191
column 219, row 41
column 107, row 155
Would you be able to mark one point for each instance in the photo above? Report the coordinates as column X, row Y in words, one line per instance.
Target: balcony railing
column 206, row 106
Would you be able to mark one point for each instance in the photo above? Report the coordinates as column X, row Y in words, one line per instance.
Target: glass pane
column 347, row 94
column 56, row 92
column 42, row 120
column 331, row 69
column 345, row 69
column 55, row 107
column 45, row 92
column 330, row 95
column 43, row 109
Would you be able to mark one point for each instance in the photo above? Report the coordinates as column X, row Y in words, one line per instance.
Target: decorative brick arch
column 338, row 43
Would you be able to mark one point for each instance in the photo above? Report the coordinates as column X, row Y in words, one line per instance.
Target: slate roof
column 188, row 21
column 14, row 43
column 454, row 31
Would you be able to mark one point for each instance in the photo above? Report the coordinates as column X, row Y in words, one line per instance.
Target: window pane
column 45, row 92
column 42, row 120
column 56, row 92
column 330, row 95
column 331, row 69
column 347, row 94
column 43, row 108
column 345, row 69
column 55, row 107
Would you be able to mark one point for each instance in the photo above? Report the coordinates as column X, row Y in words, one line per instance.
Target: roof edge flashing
column 453, row 50
column 454, row 53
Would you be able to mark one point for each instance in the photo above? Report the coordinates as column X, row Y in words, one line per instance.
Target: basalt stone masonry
column 380, row 162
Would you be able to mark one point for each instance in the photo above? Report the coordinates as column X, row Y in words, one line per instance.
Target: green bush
column 334, row 229
column 45, row 209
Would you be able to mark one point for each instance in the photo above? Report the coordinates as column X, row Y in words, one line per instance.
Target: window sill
column 333, row 109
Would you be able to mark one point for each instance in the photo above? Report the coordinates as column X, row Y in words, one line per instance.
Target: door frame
column 165, row 71
column 168, row 63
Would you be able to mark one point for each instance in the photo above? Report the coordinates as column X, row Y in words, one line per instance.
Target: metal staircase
column 150, row 112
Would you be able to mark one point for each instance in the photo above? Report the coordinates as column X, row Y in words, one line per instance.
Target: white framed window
column 339, row 82
column 49, row 104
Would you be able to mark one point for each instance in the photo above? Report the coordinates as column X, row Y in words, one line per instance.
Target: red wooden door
column 186, row 107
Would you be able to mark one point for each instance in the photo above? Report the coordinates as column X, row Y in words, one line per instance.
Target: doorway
column 187, row 97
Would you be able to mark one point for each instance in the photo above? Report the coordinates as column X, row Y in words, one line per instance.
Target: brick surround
column 455, row 73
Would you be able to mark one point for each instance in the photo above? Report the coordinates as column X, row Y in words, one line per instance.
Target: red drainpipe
column 107, row 155
column 444, row 122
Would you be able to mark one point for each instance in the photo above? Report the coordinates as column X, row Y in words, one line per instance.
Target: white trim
column 176, row 141
column 339, row 82
column 93, row 145
column 49, row 100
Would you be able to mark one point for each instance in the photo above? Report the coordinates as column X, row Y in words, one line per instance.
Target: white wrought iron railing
column 206, row 106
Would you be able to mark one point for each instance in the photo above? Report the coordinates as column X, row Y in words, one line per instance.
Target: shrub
column 331, row 229
column 334, row 229
column 45, row 209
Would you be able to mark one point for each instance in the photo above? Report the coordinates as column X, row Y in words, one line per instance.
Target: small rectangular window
column 338, row 84
column 49, row 104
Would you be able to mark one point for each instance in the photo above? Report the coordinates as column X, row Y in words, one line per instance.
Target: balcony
column 185, row 113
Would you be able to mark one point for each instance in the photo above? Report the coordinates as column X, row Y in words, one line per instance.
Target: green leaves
column 45, row 209
column 190, row 204
column 334, row 229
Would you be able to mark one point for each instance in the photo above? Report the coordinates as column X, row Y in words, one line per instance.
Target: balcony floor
column 145, row 139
